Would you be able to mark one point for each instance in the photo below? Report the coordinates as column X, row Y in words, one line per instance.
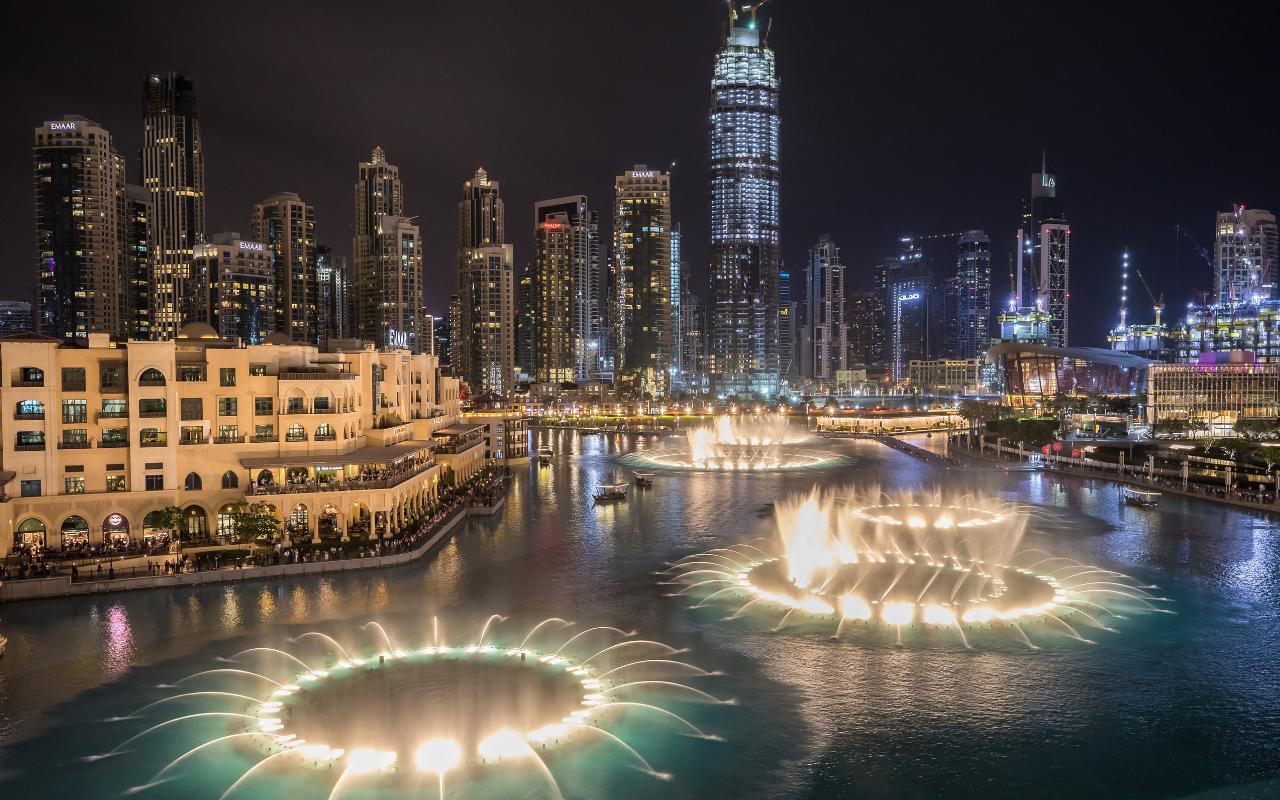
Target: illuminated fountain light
column 740, row 444
column 952, row 565
column 435, row 709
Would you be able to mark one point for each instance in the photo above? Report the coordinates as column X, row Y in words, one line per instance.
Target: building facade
column 564, row 287
column 1032, row 374
column 825, row 333
column 334, row 306
column 172, row 170
column 287, row 227
column 1044, row 256
column 745, row 247
column 104, row 437
column 487, row 302
column 140, row 223
column 81, row 231
column 482, row 224
column 949, row 376
column 387, row 259
column 1245, row 251
column 973, row 295
column 231, row 287
column 642, row 254
column 1218, row 389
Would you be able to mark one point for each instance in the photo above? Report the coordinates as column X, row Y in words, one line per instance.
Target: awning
column 456, row 430
column 365, row 455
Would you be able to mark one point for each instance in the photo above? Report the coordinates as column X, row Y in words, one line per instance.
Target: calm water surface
column 1172, row 705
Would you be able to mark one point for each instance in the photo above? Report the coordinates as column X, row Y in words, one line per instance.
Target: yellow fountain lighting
column 438, row 756
column 504, row 744
column 364, row 761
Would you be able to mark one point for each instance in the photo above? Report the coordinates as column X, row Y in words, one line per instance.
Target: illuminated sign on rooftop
column 62, row 126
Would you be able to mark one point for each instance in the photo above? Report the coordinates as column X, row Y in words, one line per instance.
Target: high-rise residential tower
column 826, row 334
column 171, row 167
column 488, row 347
column 910, row 304
column 745, row 254
column 81, row 231
column 1044, row 256
column 231, row 286
column 562, row 287
column 677, row 281
column 388, row 261
column 287, row 226
column 973, row 295
column 481, row 224
column 1245, row 253
column 333, row 295
column 140, row 222
column 642, row 255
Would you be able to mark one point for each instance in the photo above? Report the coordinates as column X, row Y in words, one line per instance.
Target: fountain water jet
column 884, row 563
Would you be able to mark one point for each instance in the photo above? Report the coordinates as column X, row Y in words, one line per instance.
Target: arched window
column 75, row 531
column 30, row 409
column 265, row 478
column 196, row 523
column 296, row 433
column 31, row 376
column 192, row 483
column 151, row 377
column 227, row 520
column 325, row 432
column 229, row 480
column 298, row 517
column 30, row 533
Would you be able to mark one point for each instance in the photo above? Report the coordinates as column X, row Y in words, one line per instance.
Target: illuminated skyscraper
column 81, row 231
column 1044, row 256
column 1245, row 252
column 172, row 169
column 287, row 226
column 563, row 289
column 482, row 354
column 333, row 295
column 825, row 332
column 973, row 295
column 745, row 254
column 642, row 251
column 388, row 261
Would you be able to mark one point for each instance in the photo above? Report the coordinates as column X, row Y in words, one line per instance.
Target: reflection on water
column 817, row 718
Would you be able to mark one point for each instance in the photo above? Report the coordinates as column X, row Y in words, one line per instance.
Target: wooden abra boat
column 611, row 491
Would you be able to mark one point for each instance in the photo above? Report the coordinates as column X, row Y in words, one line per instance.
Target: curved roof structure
column 1098, row 355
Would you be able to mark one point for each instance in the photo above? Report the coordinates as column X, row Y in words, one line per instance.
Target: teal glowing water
column 1171, row 705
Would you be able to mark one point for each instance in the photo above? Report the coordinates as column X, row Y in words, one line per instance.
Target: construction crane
column 1178, row 230
column 750, row 7
column 1159, row 304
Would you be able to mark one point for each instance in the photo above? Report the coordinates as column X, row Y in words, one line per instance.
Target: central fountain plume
column 756, row 442
column 929, row 562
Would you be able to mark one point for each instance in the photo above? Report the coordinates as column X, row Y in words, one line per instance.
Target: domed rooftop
column 197, row 330
column 278, row 338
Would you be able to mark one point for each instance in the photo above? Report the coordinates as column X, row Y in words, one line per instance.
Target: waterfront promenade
column 424, row 542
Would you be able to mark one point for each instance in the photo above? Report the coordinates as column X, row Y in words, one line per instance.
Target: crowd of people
column 488, row 486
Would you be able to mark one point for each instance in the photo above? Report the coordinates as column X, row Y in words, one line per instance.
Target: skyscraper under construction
column 745, row 254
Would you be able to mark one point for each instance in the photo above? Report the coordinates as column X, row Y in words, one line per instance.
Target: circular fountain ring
column 463, row 695
column 899, row 587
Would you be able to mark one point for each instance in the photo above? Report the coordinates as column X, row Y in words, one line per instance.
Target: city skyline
column 896, row 189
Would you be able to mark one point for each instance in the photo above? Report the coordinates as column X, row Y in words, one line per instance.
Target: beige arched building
column 98, row 439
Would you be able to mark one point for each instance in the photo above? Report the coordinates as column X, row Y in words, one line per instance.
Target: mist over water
column 1170, row 705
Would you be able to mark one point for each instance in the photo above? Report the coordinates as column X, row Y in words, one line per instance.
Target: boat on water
column 611, row 491
column 644, row 479
column 1138, row 497
column 545, row 453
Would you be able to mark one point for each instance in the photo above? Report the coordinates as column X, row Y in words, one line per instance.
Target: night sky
column 897, row 118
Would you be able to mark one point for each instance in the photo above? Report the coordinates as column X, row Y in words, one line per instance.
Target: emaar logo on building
column 250, row 246
column 398, row 338
column 62, row 126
